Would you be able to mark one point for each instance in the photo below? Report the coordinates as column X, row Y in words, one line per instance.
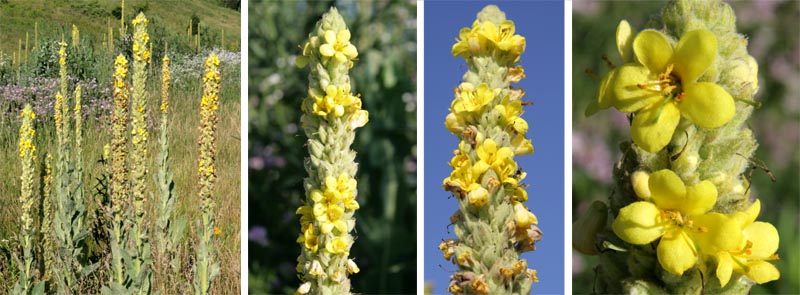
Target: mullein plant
column 46, row 223
column 138, row 266
column 27, row 155
column 169, row 229
column 331, row 115
column 118, row 185
column 206, row 268
column 493, row 226
column 682, row 219
column 68, row 221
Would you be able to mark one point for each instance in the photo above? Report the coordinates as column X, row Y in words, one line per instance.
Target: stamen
column 702, row 229
column 666, row 73
column 751, row 103
column 591, row 74
column 609, row 64
column 680, row 96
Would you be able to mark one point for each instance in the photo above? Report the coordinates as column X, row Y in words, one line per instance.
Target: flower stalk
column 169, row 227
column 139, row 268
column 331, row 115
column 682, row 218
column 206, row 268
column 118, row 187
column 27, row 155
column 486, row 180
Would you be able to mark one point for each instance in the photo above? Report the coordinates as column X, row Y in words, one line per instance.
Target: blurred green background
column 773, row 29
column 385, row 74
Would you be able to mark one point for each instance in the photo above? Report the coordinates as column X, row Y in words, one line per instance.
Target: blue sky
column 542, row 24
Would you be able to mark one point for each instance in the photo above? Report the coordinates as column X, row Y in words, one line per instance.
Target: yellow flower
column 217, row 231
column 352, row 267
column 478, row 197
column 521, row 145
column 491, row 156
column 678, row 216
column 523, row 216
column 502, row 36
column 469, row 41
column 335, row 101
column 337, row 45
column 339, row 245
column 511, row 111
column 471, row 100
column 663, row 85
column 463, row 179
column 758, row 244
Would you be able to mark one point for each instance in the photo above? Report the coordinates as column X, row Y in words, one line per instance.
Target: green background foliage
column 772, row 30
column 384, row 75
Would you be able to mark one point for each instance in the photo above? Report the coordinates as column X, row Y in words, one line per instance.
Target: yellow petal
column 330, row 37
column 667, row 189
column 625, row 41
column 715, row 232
column 327, row 50
column 653, row 127
column 724, row 267
column 764, row 237
column 343, row 36
column 350, row 51
column 699, row 198
column 504, row 153
column 641, row 184
column 653, row 50
column 625, row 94
column 761, row 271
column 486, row 149
column 696, row 51
column 707, row 105
column 676, row 252
column 749, row 216
column 604, row 95
column 638, row 224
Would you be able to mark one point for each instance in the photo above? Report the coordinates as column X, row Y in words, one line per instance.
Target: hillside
column 93, row 17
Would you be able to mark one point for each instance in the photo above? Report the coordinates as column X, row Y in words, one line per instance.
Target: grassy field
column 20, row 16
column 91, row 17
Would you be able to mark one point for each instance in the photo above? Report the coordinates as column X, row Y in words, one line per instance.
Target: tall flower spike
column 486, row 117
column 690, row 84
column 140, row 271
column 27, row 155
column 118, row 187
column 331, row 115
column 169, row 227
column 206, row 269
